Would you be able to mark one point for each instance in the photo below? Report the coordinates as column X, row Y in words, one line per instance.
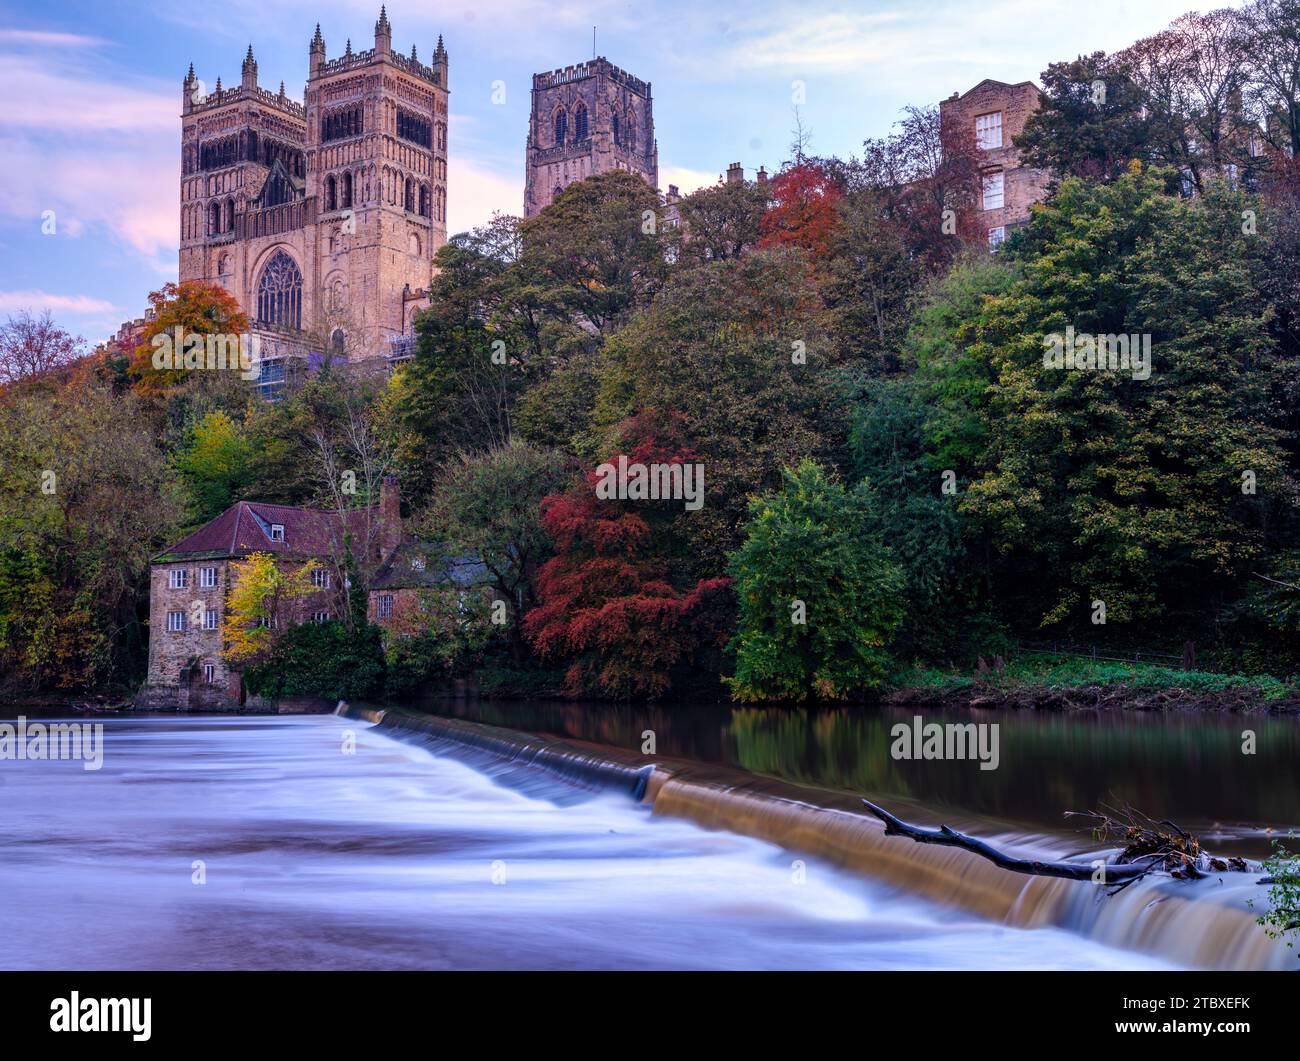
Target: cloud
column 48, row 39
column 36, row 301
column 687, row 180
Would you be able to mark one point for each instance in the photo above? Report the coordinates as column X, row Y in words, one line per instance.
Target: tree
column 739, row 350
column 320, row 659
column 1272, row 32
column 600, row 244
column 86, row 498
column 32, row 345
column 260, row 605
column 1091, row 121
column 925, row 177
column 819, row 594
column 608, row 605
column 195, row 308
column 216, row 464
column 803, row 211
column 723, row 221
column 488, row 506
column 1106, row 485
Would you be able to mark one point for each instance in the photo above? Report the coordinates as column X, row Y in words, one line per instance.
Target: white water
column 384, row 859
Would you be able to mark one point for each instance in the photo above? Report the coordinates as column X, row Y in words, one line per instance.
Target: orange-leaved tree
column 195, row 308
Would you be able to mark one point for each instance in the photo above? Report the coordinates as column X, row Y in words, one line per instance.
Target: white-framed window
column 385, row 606
column 997, row 236
column 178, row 578
column 320, row 578
column 277, row 532
column 992, row 186
column 988, row 130
column 176, row 622
column 210, row 619
column 267, row 622
column 210, row 673
column 320, row 617
column 207, row 577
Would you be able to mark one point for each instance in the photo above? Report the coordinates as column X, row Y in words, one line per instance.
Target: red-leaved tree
column 803, row 210
column 608, row 602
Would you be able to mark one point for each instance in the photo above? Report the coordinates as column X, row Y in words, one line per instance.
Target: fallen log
column 1149, row 857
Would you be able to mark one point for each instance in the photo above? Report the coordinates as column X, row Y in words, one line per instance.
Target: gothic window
column 230, row 215
column 408, row 200
column 414, row 128
column 424, row 200
column 629, row 131
column 442, row 136
column 346, row 189
column 331, row 196
column 214, row 218
column 561, row 127
column 279, row 292
column 415, row 245
column 337, row 343
column 580, row 123
column 557, row 193
column 617, row 132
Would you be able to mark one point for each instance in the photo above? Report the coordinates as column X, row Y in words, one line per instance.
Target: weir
column 1207, row 923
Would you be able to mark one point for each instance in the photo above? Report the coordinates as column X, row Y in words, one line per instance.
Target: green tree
column 819, row 594
column 216, row 464
column 1097, row 485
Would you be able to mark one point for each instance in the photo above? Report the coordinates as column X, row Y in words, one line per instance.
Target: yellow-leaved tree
column 259, row 599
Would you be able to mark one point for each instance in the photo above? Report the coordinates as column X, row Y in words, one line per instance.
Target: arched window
column 331, row 195
column 337, row 340
column 230, row 215
column 214, row 218
column 279, row 292
column 561, row 127
column 424, row 200
column 415, row 245
column 617, row 138
column 629, row 131
column 409, row 200
column 580, row 123
column 347, row 190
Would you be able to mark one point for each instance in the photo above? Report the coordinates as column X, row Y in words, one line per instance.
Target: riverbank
column 1067, row 683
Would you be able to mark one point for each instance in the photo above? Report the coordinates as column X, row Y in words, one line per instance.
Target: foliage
column 1282, row 919
column 320, row 659
column 216, row 464
column 819, row 594
column 31, row 345
column 608, row 605
column 260, row 605
column 724, row 221
column 804, row 209
column 193, row 307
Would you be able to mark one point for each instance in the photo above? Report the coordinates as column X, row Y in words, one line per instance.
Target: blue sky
column 90, row 99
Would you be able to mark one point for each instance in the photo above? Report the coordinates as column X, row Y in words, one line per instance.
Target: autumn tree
column 31, row 345
column 613, row 606
column 723, row 221
column 195, row 308
column 260, row 605
column 803, row 213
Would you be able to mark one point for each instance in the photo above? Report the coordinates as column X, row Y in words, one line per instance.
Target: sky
column 90, row 99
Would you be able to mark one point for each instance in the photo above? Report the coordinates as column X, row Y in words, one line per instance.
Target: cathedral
column 322, row 217
column 587, row 119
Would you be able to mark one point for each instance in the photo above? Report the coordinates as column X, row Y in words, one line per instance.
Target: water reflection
column 1186, row 767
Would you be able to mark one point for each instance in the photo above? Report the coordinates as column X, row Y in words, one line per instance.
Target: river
column 320, row 842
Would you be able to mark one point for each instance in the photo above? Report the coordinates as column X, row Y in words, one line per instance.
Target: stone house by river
column 190, row 584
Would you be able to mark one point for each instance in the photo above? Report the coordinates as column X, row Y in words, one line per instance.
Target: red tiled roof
column 245, row 527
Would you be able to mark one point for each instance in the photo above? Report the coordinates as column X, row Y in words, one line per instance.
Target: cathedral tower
column 587, row 119
column 322, row 218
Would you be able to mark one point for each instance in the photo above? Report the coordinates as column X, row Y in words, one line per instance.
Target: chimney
column 390, row 516
column 735, row 173
column 762, row 175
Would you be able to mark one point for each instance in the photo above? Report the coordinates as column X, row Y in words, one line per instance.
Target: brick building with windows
column 996, row 113
column 190, row 584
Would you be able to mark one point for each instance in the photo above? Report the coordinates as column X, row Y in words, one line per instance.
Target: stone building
column 190, row 585
column 587, row 119
column 996, row 113
column 321, row 217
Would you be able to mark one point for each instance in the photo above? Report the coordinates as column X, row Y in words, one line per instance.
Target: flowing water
column 325, row 842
